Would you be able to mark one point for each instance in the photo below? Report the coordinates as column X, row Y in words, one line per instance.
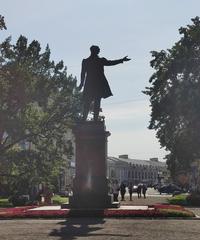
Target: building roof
column 137, row 162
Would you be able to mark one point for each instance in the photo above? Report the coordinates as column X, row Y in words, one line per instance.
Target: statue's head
column 94, row 50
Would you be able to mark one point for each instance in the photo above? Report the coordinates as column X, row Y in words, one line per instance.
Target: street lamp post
column 159, row 177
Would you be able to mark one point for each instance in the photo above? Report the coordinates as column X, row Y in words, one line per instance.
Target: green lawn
column 4, row 203
column 58, row 200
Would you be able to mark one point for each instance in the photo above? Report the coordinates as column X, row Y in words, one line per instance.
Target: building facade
column 124, row 169
column 137, row 171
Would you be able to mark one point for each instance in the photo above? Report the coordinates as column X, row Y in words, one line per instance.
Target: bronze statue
column 94, row 81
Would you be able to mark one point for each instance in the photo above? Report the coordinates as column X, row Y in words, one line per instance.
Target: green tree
column 38, row 104
column 2, row 23
column 175, row 99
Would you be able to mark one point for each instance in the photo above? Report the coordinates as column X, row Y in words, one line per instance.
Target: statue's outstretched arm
column 115, row 62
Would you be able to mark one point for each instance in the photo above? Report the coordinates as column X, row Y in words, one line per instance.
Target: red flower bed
column 129, row 213
column 157, row 210
column 154, row 211
column 15, row 209
column 168, row 206
column 25, row 212
column 14, row 212
column 47, row 213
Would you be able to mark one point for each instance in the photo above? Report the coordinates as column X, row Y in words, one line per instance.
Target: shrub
column 18, row 200
column 178, row 200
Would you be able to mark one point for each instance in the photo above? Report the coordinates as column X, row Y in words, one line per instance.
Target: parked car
column 169, row 189
column 156, row 186
column 65, row 193
column 134, row 188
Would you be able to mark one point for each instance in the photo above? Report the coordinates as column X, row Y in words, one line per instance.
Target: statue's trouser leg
column 86, row 108
column 97, row 103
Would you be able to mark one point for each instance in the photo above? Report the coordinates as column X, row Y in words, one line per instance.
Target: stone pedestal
column 90, row 189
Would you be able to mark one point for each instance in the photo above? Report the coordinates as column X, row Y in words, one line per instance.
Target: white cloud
column 128, row 124
column 127, row 110
column 141, row 144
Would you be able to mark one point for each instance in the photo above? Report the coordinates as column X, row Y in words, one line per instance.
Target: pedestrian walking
column 115, row 190
column 139, row 190
column 144, row 189
column 122, row 191
column 130, row 190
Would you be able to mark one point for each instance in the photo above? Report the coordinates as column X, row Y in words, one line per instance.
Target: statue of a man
column 94, row 81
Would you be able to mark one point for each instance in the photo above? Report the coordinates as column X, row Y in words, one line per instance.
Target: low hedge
column 186, row 200
column 176, row 213
column 178, row 200
column 4, row 203
column 18, row 200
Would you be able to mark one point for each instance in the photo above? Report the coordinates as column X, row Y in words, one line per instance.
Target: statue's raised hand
column 125, row 59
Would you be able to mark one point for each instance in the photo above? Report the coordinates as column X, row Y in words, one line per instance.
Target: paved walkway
column 99, row 229
column 153, row 197
column 195, row 210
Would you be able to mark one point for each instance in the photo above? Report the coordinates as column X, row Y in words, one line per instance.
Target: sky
column 119, row 28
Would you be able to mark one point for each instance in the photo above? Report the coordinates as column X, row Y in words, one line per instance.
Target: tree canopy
column 175, row 98
column 2, row 23
column 38, row 103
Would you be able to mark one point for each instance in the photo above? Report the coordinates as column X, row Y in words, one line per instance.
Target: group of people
column 141, row 189
column 121, row 188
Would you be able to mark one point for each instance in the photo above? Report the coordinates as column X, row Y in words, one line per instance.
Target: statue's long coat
column 92, row 75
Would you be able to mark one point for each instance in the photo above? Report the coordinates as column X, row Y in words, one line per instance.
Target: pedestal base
column 90, row 202
column 90, row 187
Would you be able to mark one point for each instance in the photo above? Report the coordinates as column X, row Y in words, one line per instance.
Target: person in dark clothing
column 115, row 189
column 144, row 189
column 139, row 190
column 94, row 81
column 122, row 191
column 130, row 190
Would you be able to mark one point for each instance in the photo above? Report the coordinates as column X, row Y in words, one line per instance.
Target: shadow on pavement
column 82, row 227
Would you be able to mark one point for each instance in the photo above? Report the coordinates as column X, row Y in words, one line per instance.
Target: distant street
column 152, row 197
column 152, row 192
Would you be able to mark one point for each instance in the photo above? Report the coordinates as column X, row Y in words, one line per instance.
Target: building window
column 145, row 175
column 112, row 174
